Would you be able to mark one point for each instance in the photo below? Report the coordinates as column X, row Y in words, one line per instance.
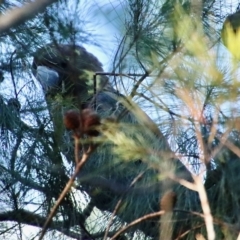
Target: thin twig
column 12, row 75
column 76, row 149
column 231, row 146
column 137, row 221
column 216, row 221
column 8, row 229
column 184, row 182
column 119, row 203
column 166, row 109
column 188, row 231
column 26, row 84
column 66, row 189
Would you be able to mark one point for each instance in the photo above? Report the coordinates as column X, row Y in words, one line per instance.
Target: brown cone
column 71, row 119
column 90, row 120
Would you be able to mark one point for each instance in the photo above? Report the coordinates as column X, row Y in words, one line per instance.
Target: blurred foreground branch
column 16, row 16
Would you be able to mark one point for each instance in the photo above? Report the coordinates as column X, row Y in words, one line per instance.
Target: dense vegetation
column 172, row 175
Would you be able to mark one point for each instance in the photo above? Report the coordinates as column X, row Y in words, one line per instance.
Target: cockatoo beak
column 48, row 78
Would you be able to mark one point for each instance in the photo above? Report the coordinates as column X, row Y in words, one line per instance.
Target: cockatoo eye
column 47, row 77
column 63, row 64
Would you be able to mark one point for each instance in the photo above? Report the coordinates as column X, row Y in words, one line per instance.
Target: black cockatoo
column 66, row 75
column 68, row 70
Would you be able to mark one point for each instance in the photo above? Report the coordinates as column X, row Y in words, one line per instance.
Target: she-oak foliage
column 171, row 68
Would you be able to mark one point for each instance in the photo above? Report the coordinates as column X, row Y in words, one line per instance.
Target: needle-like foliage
column 161, row 121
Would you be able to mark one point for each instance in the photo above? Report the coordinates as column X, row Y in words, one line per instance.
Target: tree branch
column 35, row 220
column 66, row 189
column 16, row 16
column 137, row 221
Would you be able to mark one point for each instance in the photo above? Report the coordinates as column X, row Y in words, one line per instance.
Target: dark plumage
column 74, row 67
column 106, row 175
